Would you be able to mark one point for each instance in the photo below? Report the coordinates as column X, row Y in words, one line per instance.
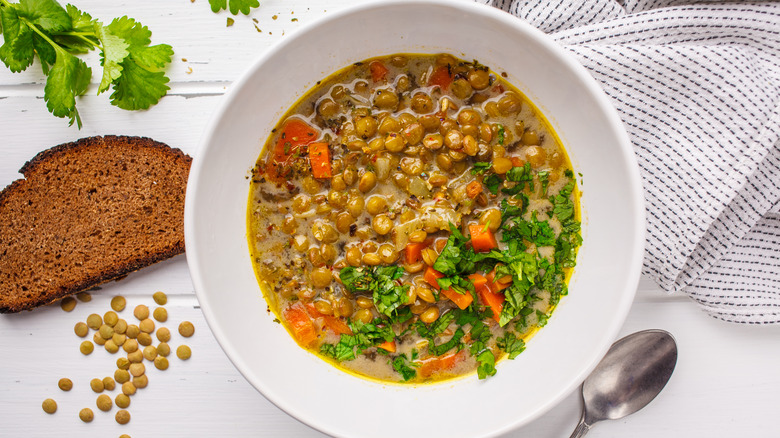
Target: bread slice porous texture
column 86, row 213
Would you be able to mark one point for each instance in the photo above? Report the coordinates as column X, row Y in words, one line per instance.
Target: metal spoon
column 633, row 372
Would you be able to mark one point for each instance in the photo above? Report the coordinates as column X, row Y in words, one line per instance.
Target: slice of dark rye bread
column 86, row 213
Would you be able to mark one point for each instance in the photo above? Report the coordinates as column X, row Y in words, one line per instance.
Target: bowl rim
column 594, row 90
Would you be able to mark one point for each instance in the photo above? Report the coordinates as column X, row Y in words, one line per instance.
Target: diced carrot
column 517, row 162
column 319, row 156
column 295, row 134
column 335, row 324
column 431, row 275
column 478, row 280
column 413, row 252
column 301, row 324
column 473, row 189
column 461, row 300
column 494, row 284
column 491, row 299
column 388, row 346
column 438, row 364
column 482, row 239
column 441, row 77
column 378, row 71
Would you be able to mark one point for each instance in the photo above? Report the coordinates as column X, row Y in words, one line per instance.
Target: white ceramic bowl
column 557, row 359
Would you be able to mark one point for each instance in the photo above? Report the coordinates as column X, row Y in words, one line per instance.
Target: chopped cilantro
column 400, row 365
column 381, row 282
column 480, row 167
column 501, row 134
column 492, row 182
column 511, row 344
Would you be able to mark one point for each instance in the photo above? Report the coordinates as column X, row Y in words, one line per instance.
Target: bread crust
column 173, row 160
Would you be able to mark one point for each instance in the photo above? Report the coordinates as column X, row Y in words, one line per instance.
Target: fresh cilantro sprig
column 131, row 66
column 234, row 6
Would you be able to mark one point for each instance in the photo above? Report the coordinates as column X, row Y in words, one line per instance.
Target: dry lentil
column 163, row 334
column 163, row 349
column 146, row 326
column 141, row 312
column 86, row 415
column 118, row 303
column 96, row 385
column 86, row 347
column 49, row 406
column 122, row 401
column 144, row 339
column 122, row 416
column 122, row 376
column 65, row 384
column 161, row 363
column 128, row 388
column 81, row 329
column 94, row 321
column 108, row 383
column 160, row 314
column 160, row 298
column 186, row 329
column 183, row 352
column 68, row 304
column 104, row 403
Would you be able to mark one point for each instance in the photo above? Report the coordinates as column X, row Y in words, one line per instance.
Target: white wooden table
column 727, row 381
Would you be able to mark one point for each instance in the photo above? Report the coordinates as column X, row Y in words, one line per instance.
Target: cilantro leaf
column 511, row 344
column 48, row 15
column 381, row 281
column 114, row 51
column 486, row 364
column 406, row 372
column 141, row 84
column 17, row 51
column 438, row 350
column 235, row 5
column 68, row 78
column 480, row 167
column 492, row 182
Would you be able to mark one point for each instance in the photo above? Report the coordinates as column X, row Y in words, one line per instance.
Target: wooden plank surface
column 725, row 383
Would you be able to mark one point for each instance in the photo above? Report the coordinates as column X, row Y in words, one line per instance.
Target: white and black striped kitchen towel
column 698, row 88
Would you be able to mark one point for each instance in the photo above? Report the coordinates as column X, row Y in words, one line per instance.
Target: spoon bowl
column 631, row 374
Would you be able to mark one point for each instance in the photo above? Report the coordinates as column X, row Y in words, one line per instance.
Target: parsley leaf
column 235, row 6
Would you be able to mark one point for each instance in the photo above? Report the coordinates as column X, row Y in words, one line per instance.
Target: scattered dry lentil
column 160, row 298
column 65, row 384
column 86, row 415
column 110, row 318
column 132, row 331
column 160, row 314
column 119, row 339
column 111, row 346
column 81, row 329
column 120, row 327
column 49, row 406
column 122, row 363
column 124, row 435
column 118, row 303
column 128, row 388
column 122, row 401
column 141, row 312
column 86, row 347
column 104, row 403
column 150, row 352
column 96, row 385
column 137, row 369
column 122, row 416
column 84, row 297
column 163, row 349
column 96, row 338
column 106, row 331
column 135, row 357
column 94, row 321
column 161, row 363
column 186, row 329
column 130, row 345
column 146, row 326
column 183, row 352
column 121, row 376
column 163, row 334
column 109, row 383
column 68, row 304
column 140, row 382
column 144, row 339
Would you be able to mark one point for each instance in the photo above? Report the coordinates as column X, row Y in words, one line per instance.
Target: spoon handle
column 581, row 429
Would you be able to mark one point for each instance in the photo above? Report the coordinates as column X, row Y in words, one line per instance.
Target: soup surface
column 413, row 218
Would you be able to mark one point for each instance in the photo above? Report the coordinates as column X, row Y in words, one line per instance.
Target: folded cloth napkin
column 698, row 88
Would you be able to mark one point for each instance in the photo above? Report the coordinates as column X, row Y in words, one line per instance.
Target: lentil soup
column 413, row 218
